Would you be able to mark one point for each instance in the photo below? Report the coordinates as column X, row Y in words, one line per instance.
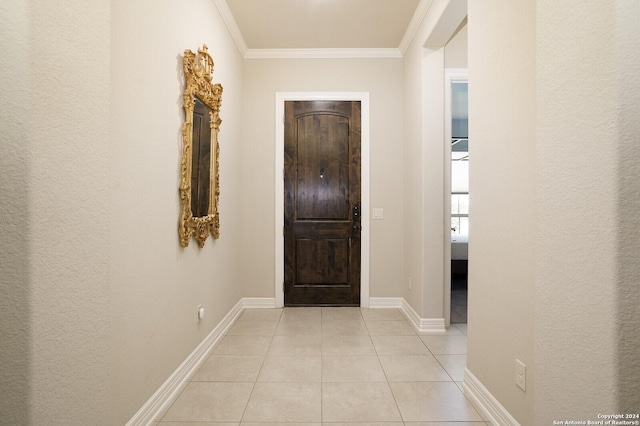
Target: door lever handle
column 357, row 228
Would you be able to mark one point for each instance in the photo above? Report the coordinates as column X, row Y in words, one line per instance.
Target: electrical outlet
column 521, row 375
column 199, row 313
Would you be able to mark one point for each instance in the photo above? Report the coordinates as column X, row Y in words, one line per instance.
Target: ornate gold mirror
column 199, row 180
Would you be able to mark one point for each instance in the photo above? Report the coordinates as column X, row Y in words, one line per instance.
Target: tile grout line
column 449, row 374
column 393, row 395
column 264, row 359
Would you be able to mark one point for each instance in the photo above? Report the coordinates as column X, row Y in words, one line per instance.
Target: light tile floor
column 329, row 366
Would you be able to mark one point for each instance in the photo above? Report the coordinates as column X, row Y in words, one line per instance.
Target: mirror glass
column 199, row 182
column 201, row 158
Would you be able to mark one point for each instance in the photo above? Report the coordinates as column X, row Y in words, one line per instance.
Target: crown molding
column 414, row 25
column 321, row 53
column 232, row 25
column 339, row 53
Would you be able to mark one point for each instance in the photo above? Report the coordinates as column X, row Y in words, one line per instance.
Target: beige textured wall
column 627, row 54
column 563, row 296
column 587, row 294
column 98, row 300
column 382, row 78
column 55, row 245
column 155, row 284
column 502, row 240
column 14, row 210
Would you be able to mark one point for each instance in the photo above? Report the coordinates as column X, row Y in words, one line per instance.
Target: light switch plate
column 378, row 213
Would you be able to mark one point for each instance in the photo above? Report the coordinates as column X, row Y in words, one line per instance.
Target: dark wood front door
column 322, row 203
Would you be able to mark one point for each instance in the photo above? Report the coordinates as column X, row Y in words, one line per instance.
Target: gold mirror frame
column 198, row 70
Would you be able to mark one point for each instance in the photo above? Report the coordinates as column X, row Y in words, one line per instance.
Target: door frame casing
column 281, row 98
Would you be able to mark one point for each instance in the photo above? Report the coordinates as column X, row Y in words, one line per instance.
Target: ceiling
column 276, row 28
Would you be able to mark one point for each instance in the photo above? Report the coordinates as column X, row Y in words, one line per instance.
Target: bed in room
column 459, row 254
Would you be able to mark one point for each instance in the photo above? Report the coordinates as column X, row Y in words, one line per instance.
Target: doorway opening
column 457, row 181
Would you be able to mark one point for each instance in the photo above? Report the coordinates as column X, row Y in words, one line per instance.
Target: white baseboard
column 385, row 302
column 171, row 388
column 258, row 302
column 485, row 402
column 420, row 324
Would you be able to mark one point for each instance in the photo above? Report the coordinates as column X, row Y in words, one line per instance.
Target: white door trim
column 451, row 75
column 281, row 97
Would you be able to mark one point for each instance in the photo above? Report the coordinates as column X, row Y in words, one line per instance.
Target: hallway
column 329, row 366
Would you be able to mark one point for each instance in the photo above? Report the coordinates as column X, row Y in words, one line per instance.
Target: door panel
column 322, row 261
column 322, row 198
column 322, row 167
